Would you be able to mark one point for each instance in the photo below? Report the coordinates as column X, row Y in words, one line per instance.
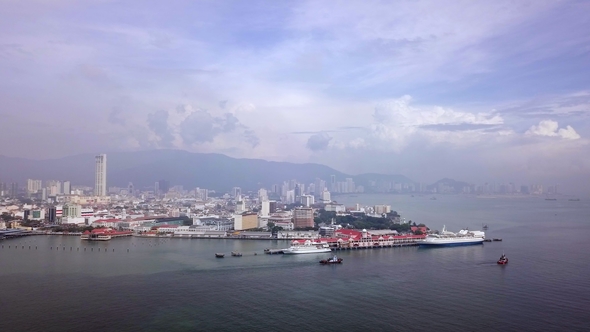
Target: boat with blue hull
column 450, row 239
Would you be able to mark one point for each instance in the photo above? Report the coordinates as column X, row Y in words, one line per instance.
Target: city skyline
column 486, row 90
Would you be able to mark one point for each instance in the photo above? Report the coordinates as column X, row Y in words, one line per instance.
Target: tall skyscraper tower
column 100, row 184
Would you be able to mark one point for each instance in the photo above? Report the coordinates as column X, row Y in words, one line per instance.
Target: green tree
column 7, row 216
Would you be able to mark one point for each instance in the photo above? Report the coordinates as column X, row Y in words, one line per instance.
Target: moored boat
column 236, row 254
column 219, row 255
column 503, row 260
column 449, row 239
column 307, row 247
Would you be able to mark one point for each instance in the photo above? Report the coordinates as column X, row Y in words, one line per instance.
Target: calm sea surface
column 138, row 284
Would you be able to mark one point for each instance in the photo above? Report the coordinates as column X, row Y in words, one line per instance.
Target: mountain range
column 204, row 170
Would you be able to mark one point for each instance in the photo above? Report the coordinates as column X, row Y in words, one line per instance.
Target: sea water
column 62, row 283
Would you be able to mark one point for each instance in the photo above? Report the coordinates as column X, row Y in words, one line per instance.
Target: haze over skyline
column 469, row 90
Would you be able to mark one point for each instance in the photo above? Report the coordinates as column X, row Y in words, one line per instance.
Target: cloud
column 318, row 142
column 357, row 143
column 116, row 116
column 397, row 121
column 400, row 113
column 187, row 126
column 575, row 104
column 551, row 128
column 250, row 137
column 158, row 123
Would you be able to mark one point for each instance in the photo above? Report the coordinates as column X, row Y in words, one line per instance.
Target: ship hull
column 450, row 243
column 434, row 245
column 305, row 251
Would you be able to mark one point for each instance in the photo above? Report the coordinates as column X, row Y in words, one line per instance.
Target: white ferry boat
column 448, row 239
column 307, row 247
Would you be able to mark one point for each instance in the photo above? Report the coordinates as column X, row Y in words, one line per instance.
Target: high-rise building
column 290, row 197
column 67, row 185
column 33, row 186
column 303, row 218
column 326, row 197
column 13, row 189
column 265, row 208
column 307, row 200
column 236, row 191
column 263, row 194
column 272, row 206
column 100, row 184
column 163, row 186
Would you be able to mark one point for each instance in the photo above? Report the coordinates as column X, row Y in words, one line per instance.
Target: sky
column 473, row 90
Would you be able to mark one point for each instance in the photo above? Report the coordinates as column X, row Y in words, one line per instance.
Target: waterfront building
column 327, row 231
column 335, row 207
column 263, row 221
column 246, row 220
column 382, row 209
column 303, row 218
column 100, row 184
column 282, row 219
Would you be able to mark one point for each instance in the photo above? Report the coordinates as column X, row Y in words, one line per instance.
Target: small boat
column 497, row 239
column 503, row 260
column 487, row 240
column 219, row 255
column 485, row 227
column 236, row 254
column 331, row 260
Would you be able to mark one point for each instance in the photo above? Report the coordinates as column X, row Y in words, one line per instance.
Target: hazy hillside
column 143, row 168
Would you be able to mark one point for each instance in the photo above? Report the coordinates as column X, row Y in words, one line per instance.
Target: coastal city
column 291, row 210
column 98, row 213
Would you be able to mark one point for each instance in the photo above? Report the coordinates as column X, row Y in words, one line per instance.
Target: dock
column 395, row 245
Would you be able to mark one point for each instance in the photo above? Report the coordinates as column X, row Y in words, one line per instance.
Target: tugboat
column 332, row 260
column 219, row 255
column 503, row 260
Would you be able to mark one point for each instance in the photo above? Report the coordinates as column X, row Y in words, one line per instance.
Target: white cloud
column 400, row 113
column 551, row 128
column 357, row 143
column 397, row 121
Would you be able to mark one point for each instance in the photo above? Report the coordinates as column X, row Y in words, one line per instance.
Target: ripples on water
column 177, row 285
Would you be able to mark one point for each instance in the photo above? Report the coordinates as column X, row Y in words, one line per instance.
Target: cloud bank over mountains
column 477, row 91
